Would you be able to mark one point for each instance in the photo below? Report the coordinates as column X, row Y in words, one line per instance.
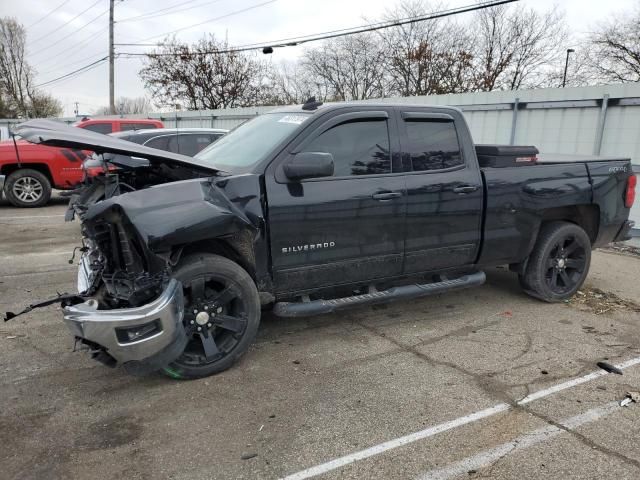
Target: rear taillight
column 630, row 194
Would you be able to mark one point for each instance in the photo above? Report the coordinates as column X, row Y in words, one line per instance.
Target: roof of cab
column 363, row 103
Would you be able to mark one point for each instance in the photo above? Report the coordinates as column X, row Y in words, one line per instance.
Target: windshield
column 251, row 142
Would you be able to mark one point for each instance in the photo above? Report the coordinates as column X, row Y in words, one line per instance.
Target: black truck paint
column 382, row 226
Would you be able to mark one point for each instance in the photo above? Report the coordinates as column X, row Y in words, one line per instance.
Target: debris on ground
column 599, row 302
column 247, row 456
column 621, row 247
column 609, row 368
column 630, row 397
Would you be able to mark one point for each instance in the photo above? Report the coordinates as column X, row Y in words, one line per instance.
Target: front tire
column 27, row 188
column 559, row 263
column 222, row 315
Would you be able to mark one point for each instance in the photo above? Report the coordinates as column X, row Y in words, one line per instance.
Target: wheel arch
column 237, row 248
column 39, row 167
column 586, row 217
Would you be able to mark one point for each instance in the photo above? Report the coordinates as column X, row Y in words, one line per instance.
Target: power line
column 76, row 62
column 72, row 33
column 294, row 41
column 210, row 20
column 48, row 14
column 76, row 46
column 80, row 70
column 157, row 13
column 67, row 22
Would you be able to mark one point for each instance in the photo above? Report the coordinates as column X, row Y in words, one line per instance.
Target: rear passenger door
column 444, row 192
column 346, row 228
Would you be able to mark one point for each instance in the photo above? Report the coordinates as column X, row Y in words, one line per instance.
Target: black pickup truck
column 314, row 208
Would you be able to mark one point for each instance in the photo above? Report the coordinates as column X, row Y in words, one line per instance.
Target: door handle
column 386, row 196
column 466, row 188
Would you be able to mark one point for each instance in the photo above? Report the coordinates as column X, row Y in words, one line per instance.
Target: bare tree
column 204, row 75
column 428, row 57
column 289, row 83
column 579, row 71
column 19, row 98
column 127, row 106
column 615, row 48
column 15, row 72
column 516, row 46
column 44, row 105
column 347, row 68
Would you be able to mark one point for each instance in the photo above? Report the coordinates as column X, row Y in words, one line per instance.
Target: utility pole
column 112, row 103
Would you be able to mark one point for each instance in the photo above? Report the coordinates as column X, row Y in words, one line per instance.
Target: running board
column 317, row 307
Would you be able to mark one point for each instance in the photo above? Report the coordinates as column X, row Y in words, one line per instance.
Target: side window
column 99, row 127
column 432, row 145
column 191, row 144
column 358, row 147
column 161, row 143
column 135, row 126
column 172, row 144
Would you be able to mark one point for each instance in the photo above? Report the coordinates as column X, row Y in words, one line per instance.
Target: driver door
column 349, row 227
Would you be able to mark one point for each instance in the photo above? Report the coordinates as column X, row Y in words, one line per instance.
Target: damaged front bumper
column 143, row 339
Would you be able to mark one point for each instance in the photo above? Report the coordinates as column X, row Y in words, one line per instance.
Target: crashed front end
column 143, row 339
column 133, row 310
column 133, row 313
column 129, row 310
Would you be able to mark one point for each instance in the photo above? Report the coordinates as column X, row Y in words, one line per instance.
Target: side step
column 317, row 307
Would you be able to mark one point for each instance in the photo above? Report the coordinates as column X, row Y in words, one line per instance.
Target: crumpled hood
column 57, row 134
column 187, row 211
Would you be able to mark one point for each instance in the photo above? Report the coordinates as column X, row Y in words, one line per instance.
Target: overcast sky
column 60, row 43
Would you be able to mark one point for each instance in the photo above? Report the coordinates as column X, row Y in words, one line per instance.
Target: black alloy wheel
column 221, row 315
column 565, row 265
column 559, row 262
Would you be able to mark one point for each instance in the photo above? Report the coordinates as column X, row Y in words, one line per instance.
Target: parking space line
column 574, row 382
column 443, row 427
column 36, row 254
column 29, row 217
column 526, row 440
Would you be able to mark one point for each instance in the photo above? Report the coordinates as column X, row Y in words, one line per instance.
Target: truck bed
column 519, row 198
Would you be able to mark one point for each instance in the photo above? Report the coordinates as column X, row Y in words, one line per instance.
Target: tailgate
column 609, row 181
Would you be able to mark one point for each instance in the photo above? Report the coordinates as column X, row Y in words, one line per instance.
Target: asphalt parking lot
column 484, row 383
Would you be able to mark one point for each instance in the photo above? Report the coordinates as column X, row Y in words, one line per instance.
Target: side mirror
column 309, row 165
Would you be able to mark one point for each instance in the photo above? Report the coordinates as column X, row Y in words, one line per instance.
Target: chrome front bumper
column 143, row 338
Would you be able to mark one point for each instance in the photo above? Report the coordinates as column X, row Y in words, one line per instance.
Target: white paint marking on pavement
column 442, row 427
column 527, row 440
column 572, row 383
column 397, row 442
column 35, row 254
column 29, row 217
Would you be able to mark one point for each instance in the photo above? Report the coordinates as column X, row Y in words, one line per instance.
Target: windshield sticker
column 296, row 119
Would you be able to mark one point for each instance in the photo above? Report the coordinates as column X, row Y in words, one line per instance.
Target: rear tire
column 559, row 263
column 27, row 188
column 221, row 299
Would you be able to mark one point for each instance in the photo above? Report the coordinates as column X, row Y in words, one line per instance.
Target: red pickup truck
column 26, row 178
